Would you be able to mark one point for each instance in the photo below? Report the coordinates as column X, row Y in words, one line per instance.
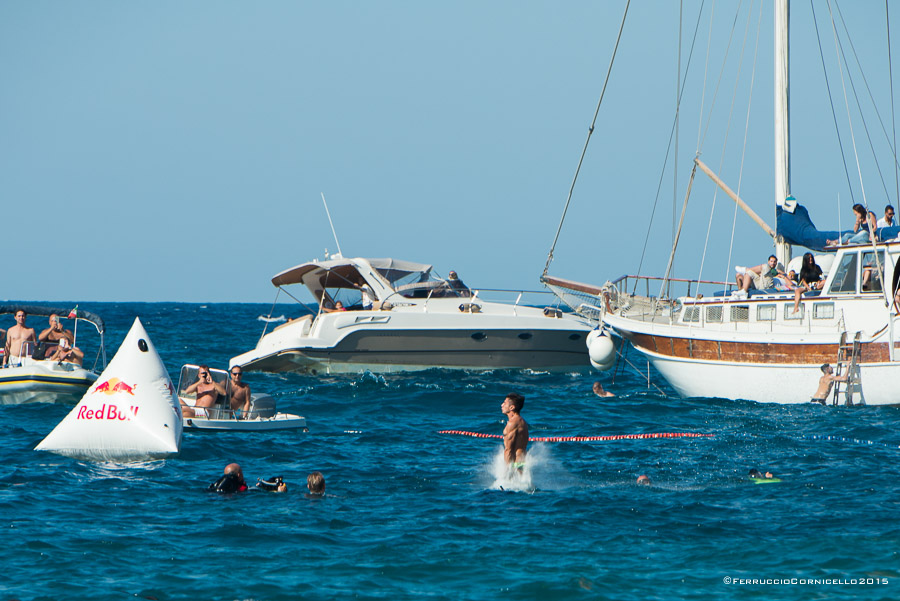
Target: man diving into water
column 515, row 434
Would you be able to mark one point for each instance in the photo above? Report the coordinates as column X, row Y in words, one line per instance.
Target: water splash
column 541, row 472
column 278, row 319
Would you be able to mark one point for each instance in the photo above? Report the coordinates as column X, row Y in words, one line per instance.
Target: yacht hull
column 413, row 350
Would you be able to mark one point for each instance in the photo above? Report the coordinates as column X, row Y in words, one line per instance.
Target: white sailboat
column 758, row 348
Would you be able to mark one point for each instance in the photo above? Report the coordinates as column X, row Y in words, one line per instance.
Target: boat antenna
column 331, row 223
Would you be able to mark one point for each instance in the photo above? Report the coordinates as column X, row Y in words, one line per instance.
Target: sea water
column 411, row 513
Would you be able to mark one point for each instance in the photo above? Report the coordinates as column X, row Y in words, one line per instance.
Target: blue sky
column 175, row 151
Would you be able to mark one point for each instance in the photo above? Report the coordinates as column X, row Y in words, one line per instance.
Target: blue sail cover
column 798, row 229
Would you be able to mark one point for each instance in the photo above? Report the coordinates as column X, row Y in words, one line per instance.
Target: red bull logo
column 108, row 412
column 113, row 386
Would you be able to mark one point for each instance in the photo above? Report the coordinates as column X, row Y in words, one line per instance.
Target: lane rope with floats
column 585, row 438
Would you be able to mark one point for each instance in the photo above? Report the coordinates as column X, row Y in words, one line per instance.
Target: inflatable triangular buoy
column 131, row 412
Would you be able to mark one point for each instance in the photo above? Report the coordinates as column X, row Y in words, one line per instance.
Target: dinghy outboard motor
column 261, row 405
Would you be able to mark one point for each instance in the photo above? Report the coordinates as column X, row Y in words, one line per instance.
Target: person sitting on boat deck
column 888, row 219
column 315, row 482
column 825, row 383
column 60, row 343
column 598, row 390
column 515, row 434
column 860, row 234
column 240, row 393
column 231, row 482
column 16, row 337
column 457, row 285
column 338, row 306
column 810, row 279
column 208, row 392
column 760, row 277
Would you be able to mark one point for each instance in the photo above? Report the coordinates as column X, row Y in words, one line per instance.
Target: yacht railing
column 511, row 297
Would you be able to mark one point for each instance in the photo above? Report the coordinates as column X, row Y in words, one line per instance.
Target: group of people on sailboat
column 867, row 228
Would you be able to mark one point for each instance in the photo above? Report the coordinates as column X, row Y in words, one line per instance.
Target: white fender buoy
column 591, row 335
column 602, row 350
column 131, row 412
column 602, row 366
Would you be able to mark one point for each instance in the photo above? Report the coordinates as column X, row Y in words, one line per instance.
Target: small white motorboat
column 37, row 378
column 262, row 416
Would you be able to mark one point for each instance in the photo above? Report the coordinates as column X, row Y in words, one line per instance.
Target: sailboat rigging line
column 664, row 287
column 715, row 95
column 712, row 14
column 662, row 172
column 837, row 50
column 588, row 139
column 893, row 145
column 856, row 97
column 687, row 196
column 831, row 102
column 728, row 131
column 887, row 22
column 677, row 129
column 743, row 156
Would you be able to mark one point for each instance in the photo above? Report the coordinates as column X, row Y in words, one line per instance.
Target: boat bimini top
column 385, row 277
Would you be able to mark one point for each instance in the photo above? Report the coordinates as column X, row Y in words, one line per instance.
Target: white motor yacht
column 35, row 377
column 385, row 315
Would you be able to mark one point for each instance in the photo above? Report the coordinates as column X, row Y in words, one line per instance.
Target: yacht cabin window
column 740, row 313
column 844, row 281
column 870, row 277
column 714, row 314
column 823, row 310
column 789, row 311
column 765, row 313
column 691, row 314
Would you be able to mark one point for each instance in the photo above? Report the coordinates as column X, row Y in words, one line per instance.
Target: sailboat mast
column 782, row 120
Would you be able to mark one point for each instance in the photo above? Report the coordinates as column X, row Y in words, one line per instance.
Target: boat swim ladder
column 848, row 364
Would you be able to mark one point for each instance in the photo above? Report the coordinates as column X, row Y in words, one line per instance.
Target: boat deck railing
column 511, row 297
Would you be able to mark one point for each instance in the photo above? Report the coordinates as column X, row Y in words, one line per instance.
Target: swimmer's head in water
column 642, row 479
column 754, row 473
column 316, row 483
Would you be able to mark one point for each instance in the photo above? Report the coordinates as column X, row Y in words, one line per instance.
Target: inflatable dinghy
column 131, row 412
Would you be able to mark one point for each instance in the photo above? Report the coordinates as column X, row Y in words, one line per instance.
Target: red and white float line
column 586, row 438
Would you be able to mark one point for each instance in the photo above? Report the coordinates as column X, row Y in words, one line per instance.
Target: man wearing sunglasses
column 240, row 393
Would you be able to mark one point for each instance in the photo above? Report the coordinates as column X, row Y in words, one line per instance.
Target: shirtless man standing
column 240, row 393
column 825, row 383
column 15, row 339
column 208, row 391
column 64, row 341
column 515, row 434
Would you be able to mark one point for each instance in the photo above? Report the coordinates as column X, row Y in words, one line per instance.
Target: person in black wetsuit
column 231, row 482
